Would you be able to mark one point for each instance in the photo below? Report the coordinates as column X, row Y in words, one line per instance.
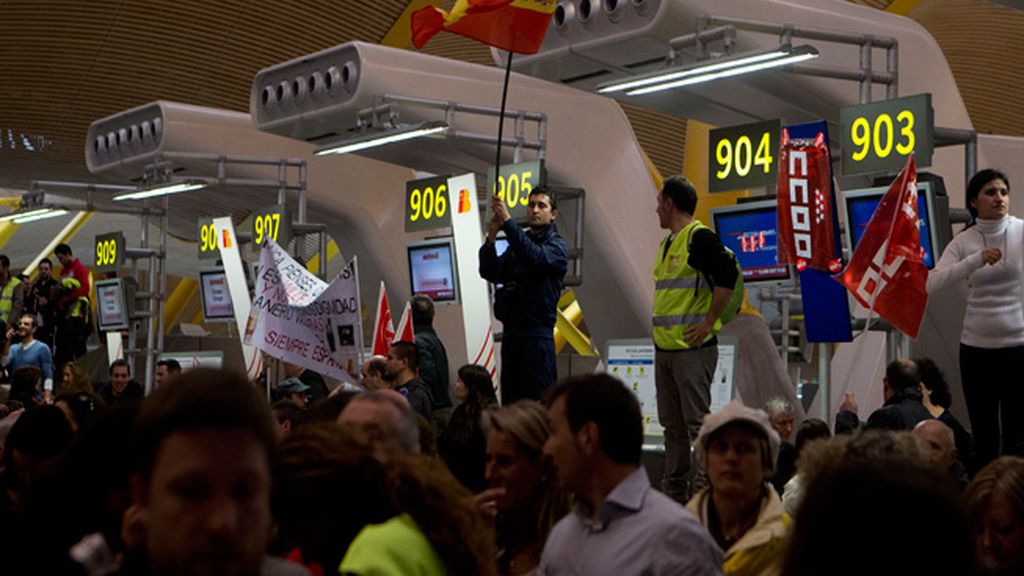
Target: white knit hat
column 733, row 412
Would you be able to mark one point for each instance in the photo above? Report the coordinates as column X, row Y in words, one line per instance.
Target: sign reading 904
column 514, row 184
column 426, row 204
column 878, row 137
column 109, row 252
column 743, row 156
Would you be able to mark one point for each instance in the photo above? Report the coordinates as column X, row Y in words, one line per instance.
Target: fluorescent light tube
column 162, row 190
column 387, row 137
column 791, row 59
column 19, row 215
column 32, row 217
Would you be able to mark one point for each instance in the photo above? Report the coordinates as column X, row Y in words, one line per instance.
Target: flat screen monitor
column 432, row 270
column 751, row 231
column 861, row 205
column 213, row 285
column 112, row 305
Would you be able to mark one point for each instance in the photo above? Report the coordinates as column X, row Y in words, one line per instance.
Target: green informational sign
column 426, row 204
column 741, row 157
column 109, row 252
column 514, row 184
column 878, row 137
column 206, row 233
column 273, row 222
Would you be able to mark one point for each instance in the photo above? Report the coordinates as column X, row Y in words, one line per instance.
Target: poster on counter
column 632, row 361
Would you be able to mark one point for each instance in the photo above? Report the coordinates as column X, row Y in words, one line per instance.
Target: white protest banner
column 298, row 318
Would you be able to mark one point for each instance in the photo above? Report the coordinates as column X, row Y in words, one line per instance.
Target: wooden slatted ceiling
column 984, row 43
column 66, row 63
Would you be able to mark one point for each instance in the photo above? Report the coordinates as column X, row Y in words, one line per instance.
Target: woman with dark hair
column 988, row 259
column 462, row 444
column 523, row 492
column 80, row 408
column 936, row 397
column 995, row 501
column 346, row 505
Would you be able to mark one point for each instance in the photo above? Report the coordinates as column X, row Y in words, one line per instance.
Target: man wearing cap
column 619, row 524
column 738, row 448
column 292, row 389
column 693, row 280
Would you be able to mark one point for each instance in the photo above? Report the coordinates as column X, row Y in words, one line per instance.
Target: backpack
column 732, row 307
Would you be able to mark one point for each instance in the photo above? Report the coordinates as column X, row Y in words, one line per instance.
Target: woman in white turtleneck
column 989, row 256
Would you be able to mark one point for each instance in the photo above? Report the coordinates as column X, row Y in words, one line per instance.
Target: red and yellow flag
column 513, row 25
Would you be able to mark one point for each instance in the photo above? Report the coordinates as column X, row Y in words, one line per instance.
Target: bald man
column 387, row 417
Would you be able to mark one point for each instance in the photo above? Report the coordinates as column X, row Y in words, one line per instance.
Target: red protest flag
column 405, row 332
column 383, row 328
column 887, row 272
column 806, row 229
column 513, row 25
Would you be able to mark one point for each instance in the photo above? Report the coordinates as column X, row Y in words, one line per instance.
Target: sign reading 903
column 743, row 156
column 426, row 204
column 878, row 137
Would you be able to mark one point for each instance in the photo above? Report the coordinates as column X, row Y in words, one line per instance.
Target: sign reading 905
column 109, row 252
column 878, row 137
column 743, row 156
column 514, row 184
column 426, row 204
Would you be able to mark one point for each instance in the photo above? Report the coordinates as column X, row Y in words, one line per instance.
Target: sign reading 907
column 878, row 137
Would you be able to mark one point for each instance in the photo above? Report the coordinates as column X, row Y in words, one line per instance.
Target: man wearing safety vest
column 12, row 295
column 693, row 280
column 73, row 307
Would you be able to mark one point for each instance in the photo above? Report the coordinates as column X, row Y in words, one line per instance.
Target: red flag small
column 383, row 328
column 405, row 332
column 887, row 271
column 513, row 25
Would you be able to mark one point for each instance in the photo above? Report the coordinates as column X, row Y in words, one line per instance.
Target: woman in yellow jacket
column 738, row 449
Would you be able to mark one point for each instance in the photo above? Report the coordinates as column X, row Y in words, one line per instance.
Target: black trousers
column 527, row 368
column 994, row 390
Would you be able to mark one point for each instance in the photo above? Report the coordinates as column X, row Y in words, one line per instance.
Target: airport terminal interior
column 401, row 257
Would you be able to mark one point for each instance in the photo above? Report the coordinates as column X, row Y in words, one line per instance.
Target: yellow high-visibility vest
column 681, row 297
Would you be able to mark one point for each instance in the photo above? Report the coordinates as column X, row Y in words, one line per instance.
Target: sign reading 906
column 878, row 137
column 426, row 204
column 743, row 156
column 206, row 233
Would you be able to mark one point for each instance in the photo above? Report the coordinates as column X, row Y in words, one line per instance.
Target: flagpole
column 501, row 120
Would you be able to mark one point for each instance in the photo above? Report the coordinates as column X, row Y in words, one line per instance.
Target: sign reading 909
column 514, row 184
column 743, row 156
column 426, row 204
column 878, row 137
column 109, row 252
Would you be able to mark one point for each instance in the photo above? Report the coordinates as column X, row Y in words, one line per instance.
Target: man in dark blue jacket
column 530, row 273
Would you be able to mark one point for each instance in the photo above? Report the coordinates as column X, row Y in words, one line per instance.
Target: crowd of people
column 407, row 473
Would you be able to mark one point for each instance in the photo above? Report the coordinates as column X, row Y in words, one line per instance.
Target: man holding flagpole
column 531, row 272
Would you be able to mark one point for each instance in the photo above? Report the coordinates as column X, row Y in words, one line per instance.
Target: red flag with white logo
column 887, row 272
column 383, row 328
column 405, row 332
column 806, row 230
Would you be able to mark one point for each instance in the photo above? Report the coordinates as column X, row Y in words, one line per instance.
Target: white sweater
column 994, row 316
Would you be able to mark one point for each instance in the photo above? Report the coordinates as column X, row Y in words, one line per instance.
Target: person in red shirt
column 72, row 307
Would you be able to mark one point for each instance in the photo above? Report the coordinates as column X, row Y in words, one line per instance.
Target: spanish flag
column 513, row 25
